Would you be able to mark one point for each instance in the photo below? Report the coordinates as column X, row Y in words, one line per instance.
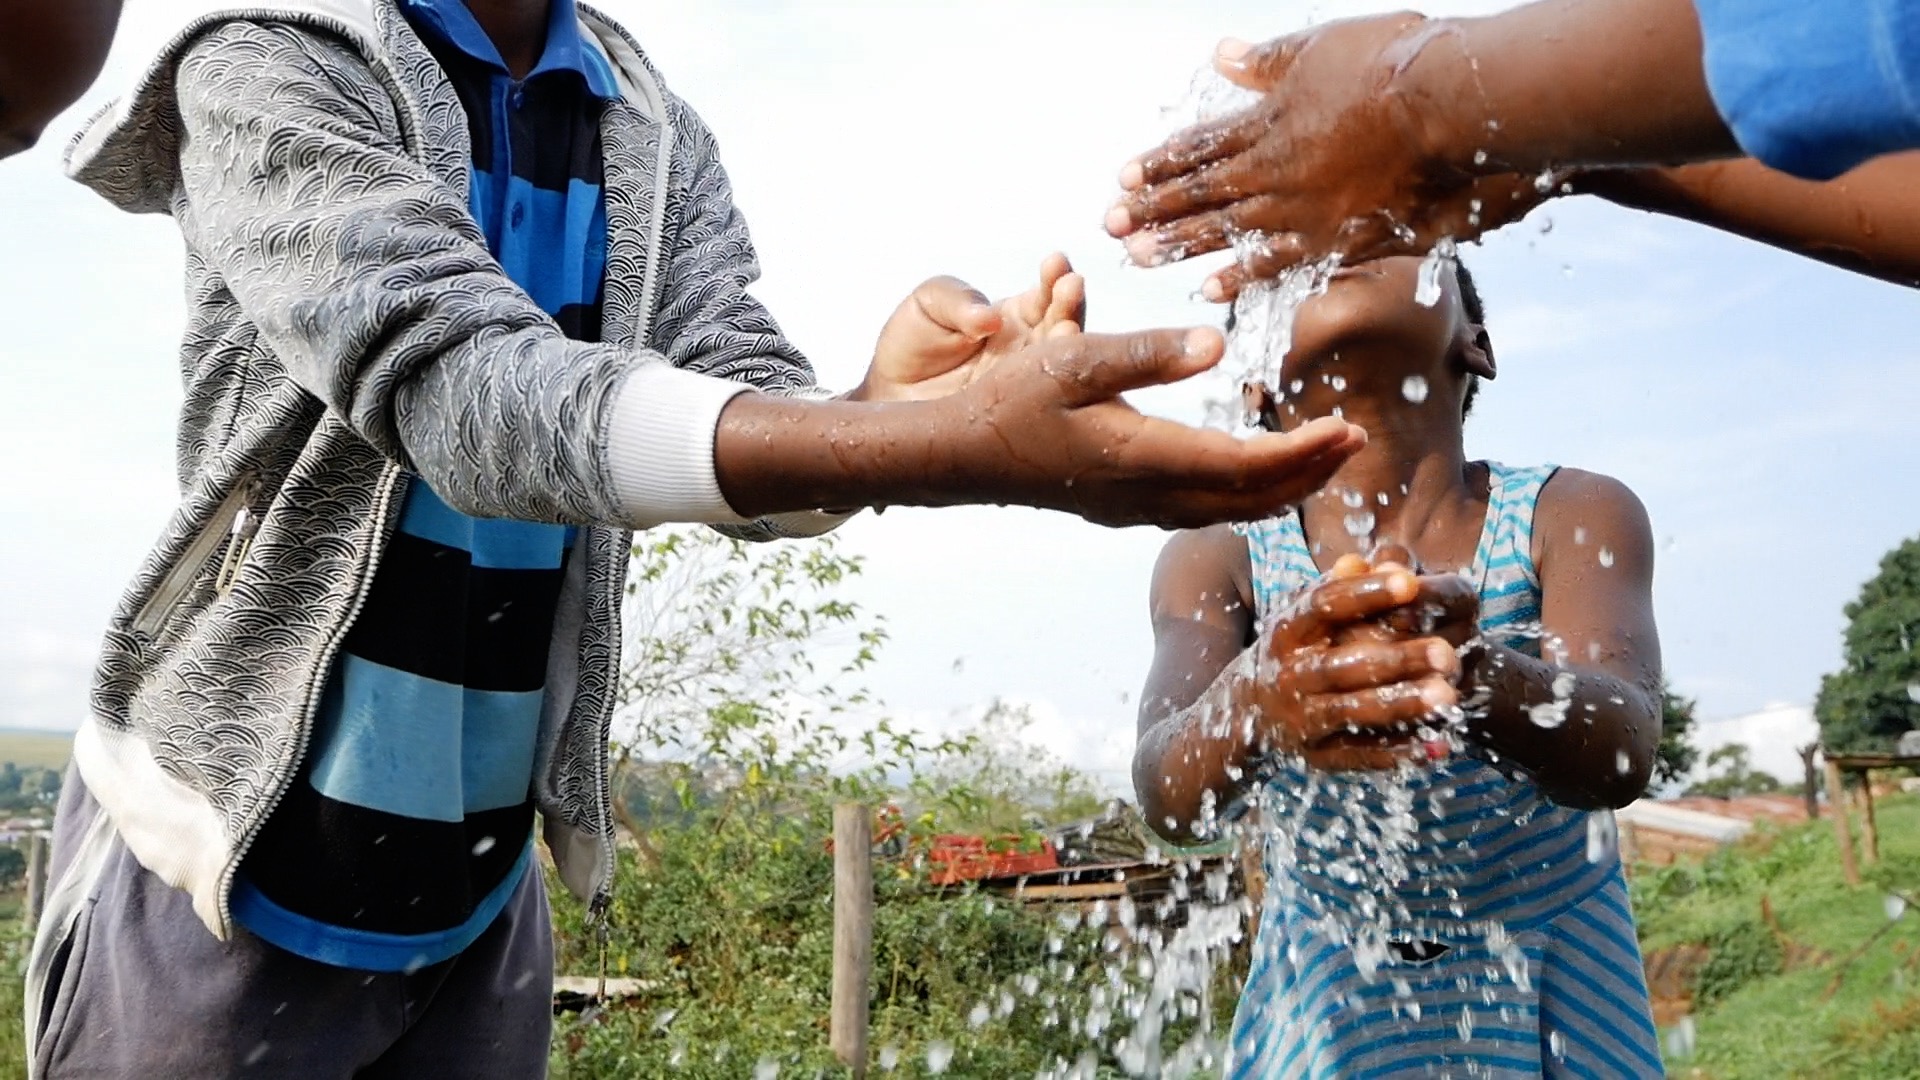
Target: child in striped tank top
column 1435, row 756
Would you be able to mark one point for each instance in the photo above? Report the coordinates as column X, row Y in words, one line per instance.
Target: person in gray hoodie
column 50, row 52
column 468, row 302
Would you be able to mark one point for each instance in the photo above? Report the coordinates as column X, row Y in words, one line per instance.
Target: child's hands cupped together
column 946, row 334
column 1335, row 690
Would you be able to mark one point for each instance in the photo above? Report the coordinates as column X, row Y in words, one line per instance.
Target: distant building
column 1661, row 831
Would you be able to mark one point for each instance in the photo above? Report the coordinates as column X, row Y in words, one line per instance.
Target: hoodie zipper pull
column 239, row 542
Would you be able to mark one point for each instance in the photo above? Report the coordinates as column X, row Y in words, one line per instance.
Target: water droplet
column 1622, row 764
column 978, row 1017
column 1546, row 225
column 1353, row 499
column 1895, row 906
column 1479, row 157
column 889, row 1058
column 1606, row 557
column 1414, row 388
column 939, row 1056
column 1426, row 292
column 1466, row 1024
column 766, row 1069
column 1544, row 182
column 257, row 1054
column 1603, row 836
column 1360, row 524
column 1680, row 1040
column 1557, row 1045
column 1338, row 382
column 482, row 846
column 1913, row 690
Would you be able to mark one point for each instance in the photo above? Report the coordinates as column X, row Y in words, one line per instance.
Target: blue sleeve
column 1815, row 87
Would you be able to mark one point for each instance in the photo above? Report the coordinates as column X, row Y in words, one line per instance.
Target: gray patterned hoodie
column 347, row 328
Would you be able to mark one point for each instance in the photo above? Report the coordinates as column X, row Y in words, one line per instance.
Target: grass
column 1849, row 1013
column 47, row 749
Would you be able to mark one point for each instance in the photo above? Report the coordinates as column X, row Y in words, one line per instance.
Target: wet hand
column 945, row 334
column 1345, row 702
column 1340, row 156
column 1046, row 426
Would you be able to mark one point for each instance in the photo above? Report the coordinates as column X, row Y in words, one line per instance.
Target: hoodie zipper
column 384, row 522
column 226, row 537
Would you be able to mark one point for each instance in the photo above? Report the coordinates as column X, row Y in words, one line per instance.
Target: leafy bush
column 735, row 747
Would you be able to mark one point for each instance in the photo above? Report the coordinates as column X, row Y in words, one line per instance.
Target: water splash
column 939, row 1056
column 1427, row 290
column 1603, row 836
column 1414, row 389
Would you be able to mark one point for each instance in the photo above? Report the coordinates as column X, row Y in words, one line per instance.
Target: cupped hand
column 945, row 334
column 1343, row 702
column 1340, row 156
column 1047, row 427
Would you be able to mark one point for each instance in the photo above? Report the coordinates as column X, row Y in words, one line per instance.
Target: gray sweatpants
column 127, row 982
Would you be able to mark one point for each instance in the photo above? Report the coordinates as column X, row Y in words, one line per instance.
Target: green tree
column 1869, row 702
column 1673, row 761
column 1730, row 774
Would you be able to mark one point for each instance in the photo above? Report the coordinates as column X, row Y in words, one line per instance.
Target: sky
column 1763, row 407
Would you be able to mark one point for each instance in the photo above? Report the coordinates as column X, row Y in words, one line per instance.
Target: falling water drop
column 766, row 1069
column 1895, row 906
column 1603, row 836
column 939, row 1056
column 1557, row 1045
column 1913, row 690
column 889, row 1058
column 1414, row 388
column 1680, row 1039
column 1622, row 764
column 1606, row 557
column 978, row 1017
column 1426, row 291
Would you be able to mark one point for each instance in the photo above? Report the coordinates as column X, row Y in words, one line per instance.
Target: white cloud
column 1773, row 737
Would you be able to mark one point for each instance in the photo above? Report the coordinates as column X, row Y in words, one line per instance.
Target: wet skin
column 1448, row 128
column 50, row 52
column 1358, row 662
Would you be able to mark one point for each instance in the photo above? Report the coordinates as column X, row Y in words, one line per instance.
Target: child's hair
column 1476, row 311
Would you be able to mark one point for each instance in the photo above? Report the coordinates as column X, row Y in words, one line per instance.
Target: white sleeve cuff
column 660, row 447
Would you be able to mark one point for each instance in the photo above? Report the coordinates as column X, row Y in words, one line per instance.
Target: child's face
column 1367, row 335
column 1373, row 303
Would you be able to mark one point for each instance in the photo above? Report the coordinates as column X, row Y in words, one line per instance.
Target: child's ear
column 1258, row 403
column 1476, row 355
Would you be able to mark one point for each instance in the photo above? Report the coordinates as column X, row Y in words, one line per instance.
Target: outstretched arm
column 1867, row 221
column 1383, row 135
column 1584, row 720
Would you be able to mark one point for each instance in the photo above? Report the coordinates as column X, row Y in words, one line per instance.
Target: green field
column 1807, row 977
column 48, row 749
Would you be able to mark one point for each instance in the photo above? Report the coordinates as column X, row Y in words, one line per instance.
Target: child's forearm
column 1586, row 736
column 1200, row 757
column 1863, row 221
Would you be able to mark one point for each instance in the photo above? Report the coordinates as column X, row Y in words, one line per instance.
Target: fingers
column 1334, row 602
column 1447, row 604
column 1393, row 709
column 1099, row 367
column 1208, row 187
column 1201, row 144
column 1364, row 665
column 1257, row 67
column 1278, row 252
column 954, row 305
column 1396, row 554
column 1362, row 753
column 1068, row 306
column 1200, row 234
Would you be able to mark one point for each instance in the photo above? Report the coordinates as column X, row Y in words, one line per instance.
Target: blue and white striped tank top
column 1447, row 920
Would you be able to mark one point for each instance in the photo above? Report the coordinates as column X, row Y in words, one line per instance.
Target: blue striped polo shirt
column 411, row 822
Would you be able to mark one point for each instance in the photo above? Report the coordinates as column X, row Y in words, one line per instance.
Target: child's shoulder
column 1593, row 515
column 1208, row 559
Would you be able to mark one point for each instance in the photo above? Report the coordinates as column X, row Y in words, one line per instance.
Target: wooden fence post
column 852, row 934
column 36, row 876
column 1837, row 803
column 1869, row 830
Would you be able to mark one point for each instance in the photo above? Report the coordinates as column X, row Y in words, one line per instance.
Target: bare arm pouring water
column 1383, row 135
